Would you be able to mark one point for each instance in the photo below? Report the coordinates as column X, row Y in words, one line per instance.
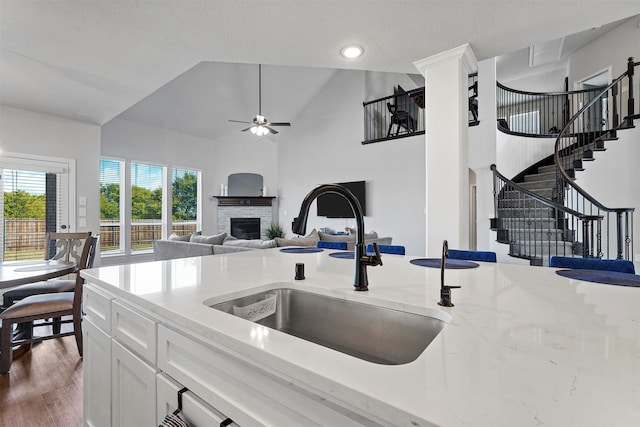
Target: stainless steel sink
column 376, row 334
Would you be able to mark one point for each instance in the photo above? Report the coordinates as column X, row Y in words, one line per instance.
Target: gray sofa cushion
column 227, row 249
column 216, row 239
column 253, row 243
column 171, row 249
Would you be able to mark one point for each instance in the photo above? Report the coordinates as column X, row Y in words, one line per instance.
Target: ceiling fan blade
column 279, row 124
column 244, row 130
column 273, row 131
column 239, row 121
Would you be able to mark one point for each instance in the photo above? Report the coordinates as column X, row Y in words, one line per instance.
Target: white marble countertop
column 523, row 347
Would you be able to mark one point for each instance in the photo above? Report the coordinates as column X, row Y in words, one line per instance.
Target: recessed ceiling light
column 351, row 51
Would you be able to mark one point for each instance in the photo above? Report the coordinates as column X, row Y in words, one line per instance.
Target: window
column 141, row 202
column 34, row 200
column 528, row 123
column 111, row 179
column 185, row 201
column 146, row 204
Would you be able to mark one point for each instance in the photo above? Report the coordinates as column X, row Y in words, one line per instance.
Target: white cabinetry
column 133, row 389
column 136, row 362
column 96, row 375
column 119, row 372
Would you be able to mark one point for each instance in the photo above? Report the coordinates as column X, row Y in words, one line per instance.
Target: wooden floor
column 43, row 387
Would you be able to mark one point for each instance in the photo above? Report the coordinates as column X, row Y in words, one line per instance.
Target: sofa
column 197, row 244
column 315, row 236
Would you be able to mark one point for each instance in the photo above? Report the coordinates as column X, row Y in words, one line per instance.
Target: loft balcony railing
column 473, row 99
column 394, row 116
column 541, row 114
column 402, row 114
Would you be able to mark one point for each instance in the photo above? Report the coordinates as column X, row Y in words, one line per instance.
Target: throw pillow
column 216, row 239
column 310, row 239
column 175, row 237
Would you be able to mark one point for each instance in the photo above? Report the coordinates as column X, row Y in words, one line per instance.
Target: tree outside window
column 184, row 200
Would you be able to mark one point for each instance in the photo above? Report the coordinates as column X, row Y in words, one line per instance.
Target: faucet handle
column 445, row 295
column 377, row 258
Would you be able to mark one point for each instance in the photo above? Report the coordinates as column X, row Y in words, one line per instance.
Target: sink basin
column 376, row 334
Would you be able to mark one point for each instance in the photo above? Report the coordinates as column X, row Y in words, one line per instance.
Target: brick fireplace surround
column 245, row 207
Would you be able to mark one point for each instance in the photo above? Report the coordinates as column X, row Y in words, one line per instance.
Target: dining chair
column 485, row 256
column 387, row 249
column 42, row 307
column 59, row 246
column 332, row 245
column 619, row 265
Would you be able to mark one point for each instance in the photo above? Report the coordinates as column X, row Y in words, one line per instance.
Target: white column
column 482, row 151
column 447, row 152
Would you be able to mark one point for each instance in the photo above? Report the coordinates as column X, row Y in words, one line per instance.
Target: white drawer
column 136, row 331
column 97, row 306
column 241, row 391
column 194, row 411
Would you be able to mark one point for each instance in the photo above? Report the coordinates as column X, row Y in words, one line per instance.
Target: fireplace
column 245, row 228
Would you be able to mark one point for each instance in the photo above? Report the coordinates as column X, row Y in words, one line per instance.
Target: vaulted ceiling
column 93, row 60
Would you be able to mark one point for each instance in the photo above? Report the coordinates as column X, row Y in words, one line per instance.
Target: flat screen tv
column 335, row 206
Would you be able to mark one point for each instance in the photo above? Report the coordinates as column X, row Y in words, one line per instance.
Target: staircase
column 538, row 232
column 542, row 212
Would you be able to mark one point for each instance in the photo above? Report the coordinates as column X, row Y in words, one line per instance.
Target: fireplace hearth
column 245, row 228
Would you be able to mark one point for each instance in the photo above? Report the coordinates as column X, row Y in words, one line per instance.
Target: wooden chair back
column 66, row 247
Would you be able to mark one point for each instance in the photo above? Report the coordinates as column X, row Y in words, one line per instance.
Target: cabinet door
column 96, row 375
column 133, row 389
column 194, row 411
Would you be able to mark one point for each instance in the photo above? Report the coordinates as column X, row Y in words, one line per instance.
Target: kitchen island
column 522, row 346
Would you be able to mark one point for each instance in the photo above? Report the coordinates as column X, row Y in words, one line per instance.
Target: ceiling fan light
column 259, row 130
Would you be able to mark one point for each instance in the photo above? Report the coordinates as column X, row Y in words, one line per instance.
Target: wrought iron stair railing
column 536, row 228
column 596, row 122
column 528, row 214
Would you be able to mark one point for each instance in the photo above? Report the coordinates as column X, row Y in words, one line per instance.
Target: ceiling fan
column 260, row 125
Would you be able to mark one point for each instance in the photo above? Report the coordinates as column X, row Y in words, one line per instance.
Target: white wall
column 599, row 178
column 43, row 135
column 516, row 153
column 548, row 81
column 611, row 49
column 325, row 146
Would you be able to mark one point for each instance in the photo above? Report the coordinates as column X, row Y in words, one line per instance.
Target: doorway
column 34, row 200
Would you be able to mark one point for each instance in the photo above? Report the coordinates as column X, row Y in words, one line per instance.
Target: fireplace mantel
column 245, row 200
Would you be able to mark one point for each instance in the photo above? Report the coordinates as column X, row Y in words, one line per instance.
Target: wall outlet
column 637, row 257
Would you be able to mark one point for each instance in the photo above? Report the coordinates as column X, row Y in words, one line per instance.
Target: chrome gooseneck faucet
column 362, row 260
column 445, row 291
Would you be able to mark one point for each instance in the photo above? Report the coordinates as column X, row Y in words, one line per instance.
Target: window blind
column 110, row 205
column 31, row 206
